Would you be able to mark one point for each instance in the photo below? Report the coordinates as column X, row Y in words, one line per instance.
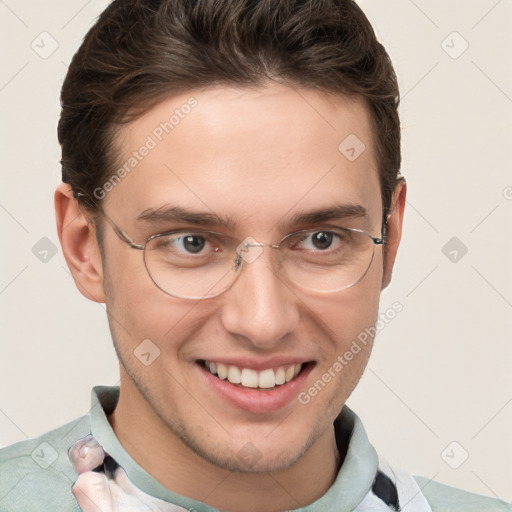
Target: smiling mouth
column 253, row 379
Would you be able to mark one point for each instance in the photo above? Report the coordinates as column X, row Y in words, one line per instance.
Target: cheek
column 351, row 311
column 138, row 308
column 348, row 320
column 351, row 322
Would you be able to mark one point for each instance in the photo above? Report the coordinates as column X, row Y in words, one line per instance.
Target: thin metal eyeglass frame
column 124, row 237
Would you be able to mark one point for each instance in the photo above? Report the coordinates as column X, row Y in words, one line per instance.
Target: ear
column 394, row 230
column 77, row 236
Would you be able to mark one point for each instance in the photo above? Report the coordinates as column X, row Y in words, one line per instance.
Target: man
column 231, row 191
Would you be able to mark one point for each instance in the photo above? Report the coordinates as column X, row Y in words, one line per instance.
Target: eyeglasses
column 190, row 264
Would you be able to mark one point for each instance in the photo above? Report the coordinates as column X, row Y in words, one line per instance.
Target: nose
column 260, row 306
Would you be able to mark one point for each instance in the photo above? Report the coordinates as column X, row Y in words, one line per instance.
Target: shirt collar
column 353, row 482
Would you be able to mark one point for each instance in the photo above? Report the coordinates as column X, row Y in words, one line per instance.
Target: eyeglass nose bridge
column 245, row 254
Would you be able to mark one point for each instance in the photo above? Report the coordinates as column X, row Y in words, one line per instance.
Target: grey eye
column 193, row 243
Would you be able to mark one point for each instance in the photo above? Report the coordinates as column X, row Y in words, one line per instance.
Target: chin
column 263, row 455
column 251, row 460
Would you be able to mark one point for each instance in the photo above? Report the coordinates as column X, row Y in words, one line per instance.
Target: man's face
column 258, row 157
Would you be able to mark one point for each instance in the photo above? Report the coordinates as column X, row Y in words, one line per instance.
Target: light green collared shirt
column 36, row 475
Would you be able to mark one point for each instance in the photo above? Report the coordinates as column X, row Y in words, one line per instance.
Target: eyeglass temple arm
column 122, row 235
column 117, row 230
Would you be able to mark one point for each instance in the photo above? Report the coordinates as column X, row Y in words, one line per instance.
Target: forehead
column 254, row 155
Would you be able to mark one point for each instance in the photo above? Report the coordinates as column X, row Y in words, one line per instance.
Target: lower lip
column 257, row 401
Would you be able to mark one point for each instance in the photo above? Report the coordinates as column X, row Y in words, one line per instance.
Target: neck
column 186, row 473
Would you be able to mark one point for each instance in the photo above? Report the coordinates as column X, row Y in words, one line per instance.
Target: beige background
column 441, row 370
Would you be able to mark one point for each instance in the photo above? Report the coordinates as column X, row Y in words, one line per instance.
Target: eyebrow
column 182, row 215
column 178, row 214
column 341, row 211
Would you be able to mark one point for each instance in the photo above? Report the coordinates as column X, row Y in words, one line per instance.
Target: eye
column 184, row 244
column 319, row 240
column 192, row 243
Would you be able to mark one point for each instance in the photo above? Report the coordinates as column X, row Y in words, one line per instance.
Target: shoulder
column 443, row 498
column 36, row 474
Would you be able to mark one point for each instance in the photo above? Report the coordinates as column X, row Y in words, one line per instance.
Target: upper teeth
column 249, row 378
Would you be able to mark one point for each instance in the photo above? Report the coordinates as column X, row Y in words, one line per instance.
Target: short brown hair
column 140, row 51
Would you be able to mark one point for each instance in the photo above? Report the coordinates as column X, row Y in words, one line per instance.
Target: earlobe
column 77, row 235
column 394, row 230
